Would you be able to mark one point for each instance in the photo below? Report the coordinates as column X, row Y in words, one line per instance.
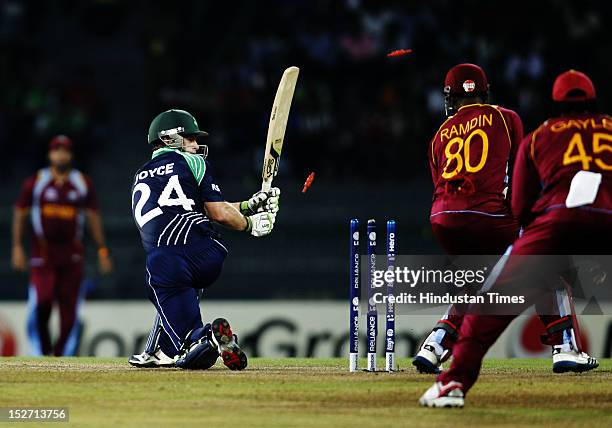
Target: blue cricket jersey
column 168, row 198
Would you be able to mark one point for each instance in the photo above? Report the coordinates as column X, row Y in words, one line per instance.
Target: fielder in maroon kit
column 471, row 157
column 58, row 200
column 562, row 195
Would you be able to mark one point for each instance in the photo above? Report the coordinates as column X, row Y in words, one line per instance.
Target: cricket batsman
column 471, row 157
column 175, row 200
column 56, row 202
column 565, row 159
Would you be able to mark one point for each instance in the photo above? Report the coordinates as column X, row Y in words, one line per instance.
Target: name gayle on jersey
column 447, row 299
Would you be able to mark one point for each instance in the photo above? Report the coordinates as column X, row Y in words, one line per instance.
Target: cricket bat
column 277, row 126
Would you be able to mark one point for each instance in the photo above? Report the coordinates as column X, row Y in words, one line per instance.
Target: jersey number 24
column 165, row 200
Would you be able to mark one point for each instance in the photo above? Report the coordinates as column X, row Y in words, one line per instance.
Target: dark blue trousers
column 173, row 276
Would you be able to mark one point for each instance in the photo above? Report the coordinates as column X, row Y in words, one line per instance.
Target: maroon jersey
column 470, row 158
column 57, row 212
column 550, row 156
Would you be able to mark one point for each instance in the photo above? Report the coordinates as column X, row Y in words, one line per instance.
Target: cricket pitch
column 301, row 393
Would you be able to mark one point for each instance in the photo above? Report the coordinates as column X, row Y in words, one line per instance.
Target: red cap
column 60, row 141
column 465, row 79
column 573, row 85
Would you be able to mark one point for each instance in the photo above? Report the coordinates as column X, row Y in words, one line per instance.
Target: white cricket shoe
column 438, row 395
column 429, row 358
column 570, row 360
column 154, row 360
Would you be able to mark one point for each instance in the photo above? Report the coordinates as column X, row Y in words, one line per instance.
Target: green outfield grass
column 301, row 393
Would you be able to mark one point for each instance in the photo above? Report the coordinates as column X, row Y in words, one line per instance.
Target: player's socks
column 154, row 334
column 233, row 357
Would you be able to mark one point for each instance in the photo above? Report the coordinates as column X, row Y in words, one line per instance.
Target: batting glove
column 257, row 202
column 272, row 203
column 260, row 224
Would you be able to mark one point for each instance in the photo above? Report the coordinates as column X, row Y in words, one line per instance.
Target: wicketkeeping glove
column 259, row 201
column 260, row 224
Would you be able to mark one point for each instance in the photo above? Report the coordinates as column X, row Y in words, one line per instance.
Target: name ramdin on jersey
column 479, row 121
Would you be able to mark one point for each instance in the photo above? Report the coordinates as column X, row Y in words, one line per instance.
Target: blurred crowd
column 357, row 113
column 42, row 95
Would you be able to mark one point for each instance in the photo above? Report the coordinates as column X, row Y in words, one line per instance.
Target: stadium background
column 98, row 71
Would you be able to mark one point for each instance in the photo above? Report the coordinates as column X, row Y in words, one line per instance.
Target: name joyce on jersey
column 160, row 170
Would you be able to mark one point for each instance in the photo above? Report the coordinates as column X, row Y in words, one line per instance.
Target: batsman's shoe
column 572, row 361
column 154, row 360
column 427, row 360
column 438, row 395
column 227, row 344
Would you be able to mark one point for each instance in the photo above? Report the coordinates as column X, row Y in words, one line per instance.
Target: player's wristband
column 102, row 252
column 249, row 225
column 244, row 208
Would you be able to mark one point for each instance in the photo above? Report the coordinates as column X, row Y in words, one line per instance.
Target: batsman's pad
column 200, row 355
